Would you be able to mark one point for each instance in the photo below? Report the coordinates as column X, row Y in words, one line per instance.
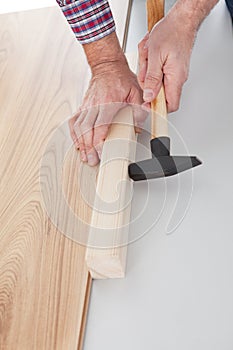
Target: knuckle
column 152, row 78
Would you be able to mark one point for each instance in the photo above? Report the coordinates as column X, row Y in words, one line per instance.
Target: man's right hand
column 112, row 81
column 164, row 53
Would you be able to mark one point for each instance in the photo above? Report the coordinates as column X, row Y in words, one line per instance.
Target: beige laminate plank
column 44, row 282
column 43, row 277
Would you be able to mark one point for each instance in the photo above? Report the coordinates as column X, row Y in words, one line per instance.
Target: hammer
column 162, row 164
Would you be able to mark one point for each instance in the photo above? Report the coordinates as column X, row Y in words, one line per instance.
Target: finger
column 143, row 57
column 142, row 74
column 72, row 131
column 143, row 50
column 103, row 122
column 154, row 75
column 173, row 90
column 100, row 134
column 140, row 115
column 78, row 133
column 87, row 134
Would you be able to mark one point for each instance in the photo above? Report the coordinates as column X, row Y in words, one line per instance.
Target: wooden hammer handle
column 159, row 125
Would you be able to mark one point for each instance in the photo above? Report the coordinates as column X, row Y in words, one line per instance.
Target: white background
column 178, row 291
column 21, row 5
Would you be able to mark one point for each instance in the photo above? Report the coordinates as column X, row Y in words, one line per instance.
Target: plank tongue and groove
column 44, row 282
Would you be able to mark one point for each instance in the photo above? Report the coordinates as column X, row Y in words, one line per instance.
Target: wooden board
column 44, row 282
column 106, row 255
column 108, row 236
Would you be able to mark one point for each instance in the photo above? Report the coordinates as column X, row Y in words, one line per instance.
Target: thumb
column 153, row 79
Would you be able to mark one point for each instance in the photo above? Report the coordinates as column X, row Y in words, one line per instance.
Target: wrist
column 104, row 54
column 110, row 67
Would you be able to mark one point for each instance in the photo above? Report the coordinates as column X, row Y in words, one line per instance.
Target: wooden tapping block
column 111, row 212
column 111, row 263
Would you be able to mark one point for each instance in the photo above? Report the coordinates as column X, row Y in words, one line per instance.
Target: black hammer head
column 162, row 164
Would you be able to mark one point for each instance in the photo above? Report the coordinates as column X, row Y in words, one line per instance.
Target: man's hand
column 112, row 81
column 164, row 53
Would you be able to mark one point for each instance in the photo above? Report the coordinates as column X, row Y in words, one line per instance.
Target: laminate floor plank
column 43, row 277
column 44, row 282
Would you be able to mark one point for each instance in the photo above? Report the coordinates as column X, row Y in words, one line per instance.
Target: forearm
column 192, row 12
column 104, row 52
column 93, row 25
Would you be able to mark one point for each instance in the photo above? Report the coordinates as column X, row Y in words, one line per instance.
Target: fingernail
column 138, row 130
column 91, row 159
column 148, row 95
column 83, row 156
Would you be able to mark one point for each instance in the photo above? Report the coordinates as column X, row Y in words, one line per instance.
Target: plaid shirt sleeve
column 90, row 20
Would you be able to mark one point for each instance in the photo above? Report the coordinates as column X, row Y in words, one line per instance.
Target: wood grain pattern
column 108, row 237
column 44, row 281
column 110, row 222
column 159, row 125
column 155, row 12
column 43, row 277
